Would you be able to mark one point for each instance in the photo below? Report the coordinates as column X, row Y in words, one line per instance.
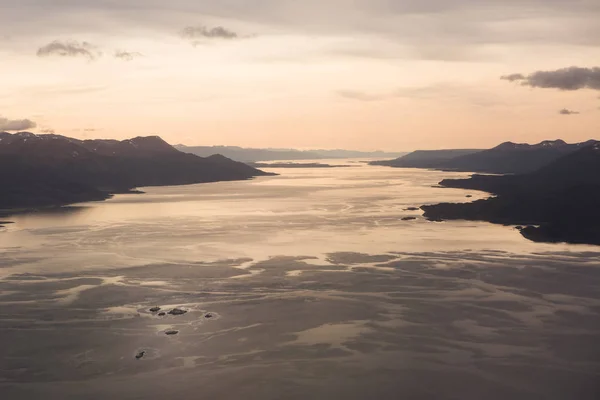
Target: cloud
column 565, row 111
column 68, row 49
column 513, row 77
column 49, row 131
column 432, row 29
column 16, row 124
column 127, row 55
column 360, row 96
column 443, row 90
column 572, row 78
column 203, row 32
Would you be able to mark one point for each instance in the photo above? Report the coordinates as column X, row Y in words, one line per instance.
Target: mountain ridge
column 558, row 202
column 505, row 158
column 424, row 158
column 54, row 170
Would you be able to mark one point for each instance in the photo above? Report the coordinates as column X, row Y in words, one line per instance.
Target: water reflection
column 53, row 216
column 300, row 212
column 317, row 290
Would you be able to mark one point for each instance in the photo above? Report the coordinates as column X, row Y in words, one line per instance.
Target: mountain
column 559, row 201
column 256, row 155
column 49, row 170
column 580, row 167
column 513, row 158
column 425, row 158
column 506, row 158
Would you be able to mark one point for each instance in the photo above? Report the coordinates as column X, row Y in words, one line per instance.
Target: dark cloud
column 127, row 55
column 426, row 29
column 68, row 49
column 203, row 32
column 566, row 111
column 572, row 78
column 16, row 124
column 361, row 96
column 513, row 77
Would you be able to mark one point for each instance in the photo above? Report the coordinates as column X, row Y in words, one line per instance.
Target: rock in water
column 409, row 218
column 412, row 209
column 162, row 314
column 208, row 315
column 140, row 354
column 155, row 309
column 171, row 332
column 177, row 311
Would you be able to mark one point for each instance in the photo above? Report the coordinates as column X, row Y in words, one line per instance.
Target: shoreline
column 107, row 195
column 533, row 214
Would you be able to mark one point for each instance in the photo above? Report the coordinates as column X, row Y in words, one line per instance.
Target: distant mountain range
column 52, row 170
column 507, row 158
column 559, row 202
column 292, row 165
column 255, row 155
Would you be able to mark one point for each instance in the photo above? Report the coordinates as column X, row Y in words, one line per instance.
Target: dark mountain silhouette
column 425, row 158
column 49, row 170
column 507, row 158
column 256, row 155
column 580, row 167
column 559, row 201
column 513, row 158
column 136, row 147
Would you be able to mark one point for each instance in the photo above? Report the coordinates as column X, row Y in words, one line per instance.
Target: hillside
column 425, row 158
column 49, row 170
column 560, row 199
column 513, row 158
column 506, row 158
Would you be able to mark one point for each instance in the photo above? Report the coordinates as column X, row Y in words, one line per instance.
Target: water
column 316, row 287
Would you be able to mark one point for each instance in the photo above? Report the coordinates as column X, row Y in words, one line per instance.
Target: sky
column 355, row 74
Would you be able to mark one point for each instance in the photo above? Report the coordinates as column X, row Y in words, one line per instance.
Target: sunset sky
column 356, row 74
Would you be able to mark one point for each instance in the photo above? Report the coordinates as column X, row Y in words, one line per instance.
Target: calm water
column 316, row 289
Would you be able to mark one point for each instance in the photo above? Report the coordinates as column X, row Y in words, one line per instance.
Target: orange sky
column 364, row 74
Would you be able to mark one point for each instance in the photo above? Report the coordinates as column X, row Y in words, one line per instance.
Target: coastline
column 561, row 216
column 95, row 197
